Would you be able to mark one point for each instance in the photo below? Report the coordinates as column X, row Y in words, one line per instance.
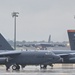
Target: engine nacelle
column 72, row 59
column 3, row 60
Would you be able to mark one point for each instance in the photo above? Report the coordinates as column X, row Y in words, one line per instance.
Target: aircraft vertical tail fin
column 71, row 35
column 49, row 40
column 4, row 45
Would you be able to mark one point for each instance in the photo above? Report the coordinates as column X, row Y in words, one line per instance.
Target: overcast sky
column 37, row 19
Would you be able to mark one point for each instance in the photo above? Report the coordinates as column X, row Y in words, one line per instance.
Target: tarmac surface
column 58, row 69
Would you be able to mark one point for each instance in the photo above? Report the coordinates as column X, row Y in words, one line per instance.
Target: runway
column 35, row 70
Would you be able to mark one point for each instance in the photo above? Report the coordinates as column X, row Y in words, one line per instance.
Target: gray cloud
column 37, row 19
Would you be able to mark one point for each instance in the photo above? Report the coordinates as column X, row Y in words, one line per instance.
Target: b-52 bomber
column 23, row 58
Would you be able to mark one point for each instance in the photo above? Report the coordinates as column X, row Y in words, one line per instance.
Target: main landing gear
column 16, row 67
column 43, row 66
column 51, row 65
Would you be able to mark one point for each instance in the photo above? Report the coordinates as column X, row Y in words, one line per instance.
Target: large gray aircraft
column 30, row 57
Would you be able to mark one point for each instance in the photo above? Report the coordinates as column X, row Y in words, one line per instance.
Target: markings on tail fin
column 71, row 35
column 71, row 30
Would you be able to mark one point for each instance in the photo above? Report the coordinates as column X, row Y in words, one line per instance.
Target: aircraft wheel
column 17, row 67
column 14, row 67
column 23, row 66
column 7, row 68
column 43, row 66
column 51, row 65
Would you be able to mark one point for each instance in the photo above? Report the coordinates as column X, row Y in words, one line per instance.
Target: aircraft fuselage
column 35, row 58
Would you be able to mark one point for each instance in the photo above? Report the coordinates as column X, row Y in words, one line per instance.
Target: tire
column 17, row 67
column 43, row 66
column 14, row 67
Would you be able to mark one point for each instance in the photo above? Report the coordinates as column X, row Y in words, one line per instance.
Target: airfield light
column 15, row 14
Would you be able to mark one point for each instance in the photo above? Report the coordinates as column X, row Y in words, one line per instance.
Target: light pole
column 15, row 14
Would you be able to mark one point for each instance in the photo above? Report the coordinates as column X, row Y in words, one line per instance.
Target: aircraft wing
column 10, row 53
column 63, row 55
column 66, row 55
column 70, row 57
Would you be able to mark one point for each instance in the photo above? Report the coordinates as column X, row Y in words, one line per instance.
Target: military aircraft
column 29, row 57
column 43, row 45
column 32, row 57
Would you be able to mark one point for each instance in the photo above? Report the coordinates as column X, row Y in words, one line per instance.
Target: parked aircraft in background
column 48, row 44
column 42, row 45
